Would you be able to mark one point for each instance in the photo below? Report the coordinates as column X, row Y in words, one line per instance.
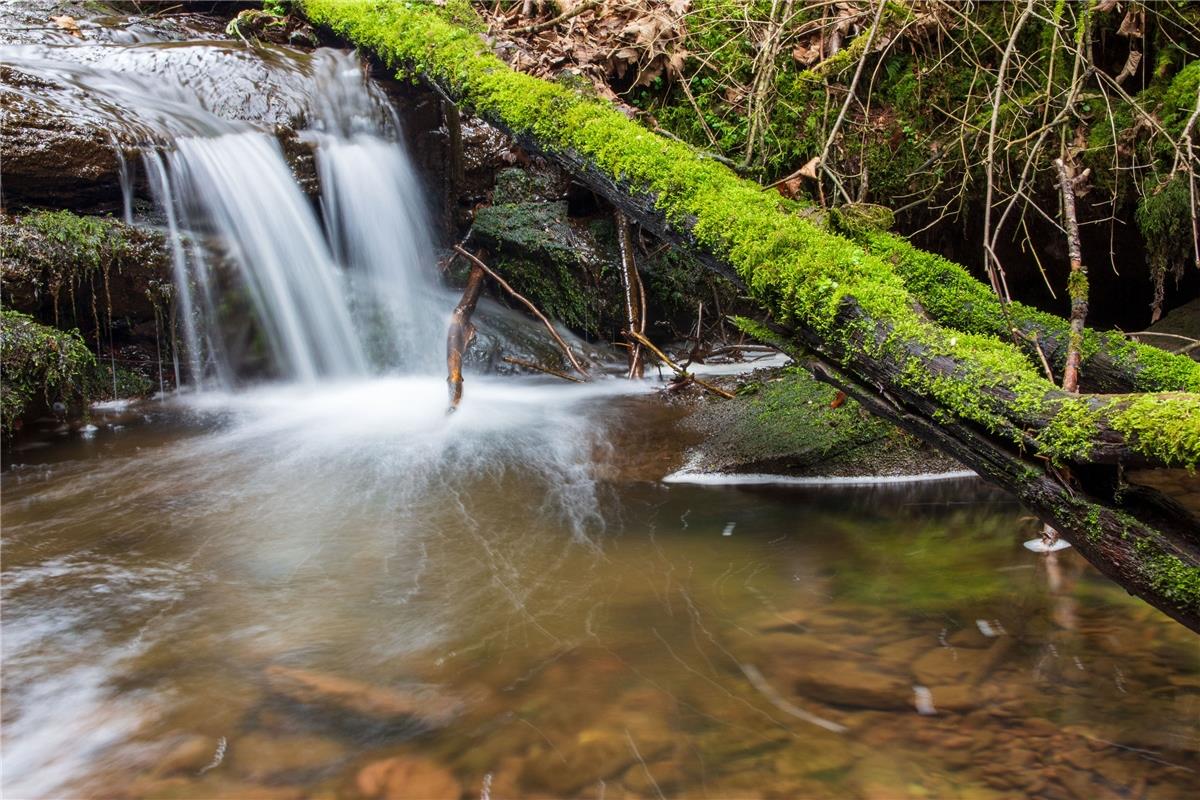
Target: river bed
column 344, row 592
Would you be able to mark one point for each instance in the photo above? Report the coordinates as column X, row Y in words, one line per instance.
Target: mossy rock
column 62, row 266
column 41, row 366
column 787, row 422
column 558, row 263
column 530, row 185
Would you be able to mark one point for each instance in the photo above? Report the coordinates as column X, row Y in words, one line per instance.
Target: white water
column 345, row 298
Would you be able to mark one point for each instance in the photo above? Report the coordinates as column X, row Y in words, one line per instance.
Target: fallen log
column 1109, row 360
column 976, row 396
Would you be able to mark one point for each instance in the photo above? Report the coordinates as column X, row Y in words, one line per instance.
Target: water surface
column 236, row 596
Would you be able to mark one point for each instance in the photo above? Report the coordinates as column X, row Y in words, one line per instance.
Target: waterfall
column 339, row 288
column 343, row 300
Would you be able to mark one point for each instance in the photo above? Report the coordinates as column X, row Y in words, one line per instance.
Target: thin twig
column 563, row 17
column 994, row 270
column 678, row 370
column 850, row 96
column 531, row 365
column 532, row 308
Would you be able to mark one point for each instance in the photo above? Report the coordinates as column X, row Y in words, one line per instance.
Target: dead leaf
column 809, row 170
column 807, row 55
column 1134, row 24
column 838, row 399
column 69, row 25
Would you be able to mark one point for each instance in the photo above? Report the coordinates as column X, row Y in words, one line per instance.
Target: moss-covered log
column 971, row 393
column 1111, row 362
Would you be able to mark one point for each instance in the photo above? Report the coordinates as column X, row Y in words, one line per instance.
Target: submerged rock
column 846, row 683
column 407, row 778
column 262, row 757
column 422, row 704
column 787, row 422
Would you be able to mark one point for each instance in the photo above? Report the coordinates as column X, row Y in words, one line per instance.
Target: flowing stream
column 324, row 586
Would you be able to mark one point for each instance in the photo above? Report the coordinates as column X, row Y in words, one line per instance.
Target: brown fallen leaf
column 838, row 399
column 68, row 24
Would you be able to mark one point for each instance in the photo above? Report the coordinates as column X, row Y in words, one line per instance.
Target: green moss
column 858, row 219
column 951, row 296
column 543, row 256
column 53, row 250
column 41, row 366
column 795, row 414
column 805, row 275
column 1072, row 432
column 1163, row 426
column 1170, row 576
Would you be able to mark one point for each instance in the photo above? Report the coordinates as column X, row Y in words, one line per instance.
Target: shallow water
column 553, row 626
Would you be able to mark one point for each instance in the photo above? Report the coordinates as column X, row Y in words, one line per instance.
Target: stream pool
column 294, row 593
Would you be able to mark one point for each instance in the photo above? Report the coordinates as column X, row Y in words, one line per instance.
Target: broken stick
column 461, row 332
column 532, row 308
column 1077, row 281
column 538, row 367
column 678, row 370
column 635, row 300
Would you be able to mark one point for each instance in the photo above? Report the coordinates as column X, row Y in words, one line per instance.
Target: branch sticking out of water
column 461, row 332
column 532, row 308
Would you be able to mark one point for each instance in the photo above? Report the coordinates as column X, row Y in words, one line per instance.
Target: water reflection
column 348, row 594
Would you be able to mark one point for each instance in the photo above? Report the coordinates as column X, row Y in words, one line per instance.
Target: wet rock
column 945, row 665
column 502, row 332
column 51, row 155
column 407, row 778
column 559, row 263
column 71, row 110
column 59, row 266
column 784, row 421
column 852, row 684
column 421, row 703
column 261, row 756
column 26, row 23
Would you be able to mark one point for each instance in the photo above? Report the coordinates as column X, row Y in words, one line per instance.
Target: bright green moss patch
column 952, row 297
column 40, row 366
column 1163, row 426
column 1071, row 433
column 53, row 251
column 1170, row 576
column 804, row 274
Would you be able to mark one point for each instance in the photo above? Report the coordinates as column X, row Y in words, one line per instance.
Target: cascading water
column 346, row 301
